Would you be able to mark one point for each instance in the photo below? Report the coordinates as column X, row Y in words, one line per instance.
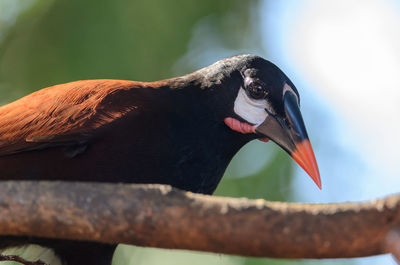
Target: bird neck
column 200, row 145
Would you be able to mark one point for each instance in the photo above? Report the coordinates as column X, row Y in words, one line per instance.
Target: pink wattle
column 239, row 126
column 265, row 140
column 242, row 127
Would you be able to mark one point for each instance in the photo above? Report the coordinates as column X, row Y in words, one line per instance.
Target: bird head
column 266, row 105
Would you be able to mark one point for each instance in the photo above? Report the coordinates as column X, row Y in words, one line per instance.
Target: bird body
column 182, row 131
column 105, row 129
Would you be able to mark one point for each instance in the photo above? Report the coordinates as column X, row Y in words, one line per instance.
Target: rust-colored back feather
column 62, row 113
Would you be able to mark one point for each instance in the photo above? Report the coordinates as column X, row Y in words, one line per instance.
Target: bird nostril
column 285, row 123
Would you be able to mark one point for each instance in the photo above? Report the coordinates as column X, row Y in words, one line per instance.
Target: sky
column 344, row 57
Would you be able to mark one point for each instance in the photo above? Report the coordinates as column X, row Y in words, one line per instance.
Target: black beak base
column 290, row 134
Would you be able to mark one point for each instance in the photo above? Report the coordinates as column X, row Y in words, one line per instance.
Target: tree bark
column 160, row 216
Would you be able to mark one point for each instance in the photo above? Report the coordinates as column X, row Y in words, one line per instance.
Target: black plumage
column 170, row 132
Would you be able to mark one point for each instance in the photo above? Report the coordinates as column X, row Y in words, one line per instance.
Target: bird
column 181, row 131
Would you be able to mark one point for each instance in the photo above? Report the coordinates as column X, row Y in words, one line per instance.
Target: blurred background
column 343, row 56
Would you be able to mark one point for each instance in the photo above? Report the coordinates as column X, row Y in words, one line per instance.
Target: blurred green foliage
column 54, row 42
column 60, row 41
column 264, row 184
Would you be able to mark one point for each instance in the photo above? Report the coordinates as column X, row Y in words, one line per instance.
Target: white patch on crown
column 251, row 110
column 286, row 88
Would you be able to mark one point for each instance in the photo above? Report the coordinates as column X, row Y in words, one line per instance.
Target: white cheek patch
column 253, row 111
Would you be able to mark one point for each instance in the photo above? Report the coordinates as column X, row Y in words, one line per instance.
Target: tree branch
column 392, row 243
column 159, row 216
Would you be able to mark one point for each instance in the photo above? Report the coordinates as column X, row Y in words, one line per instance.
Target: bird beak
column 291, row 135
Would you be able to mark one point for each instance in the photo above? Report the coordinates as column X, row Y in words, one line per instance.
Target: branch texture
column 160, row 216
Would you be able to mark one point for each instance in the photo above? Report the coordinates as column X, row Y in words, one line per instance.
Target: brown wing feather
column 62, row 114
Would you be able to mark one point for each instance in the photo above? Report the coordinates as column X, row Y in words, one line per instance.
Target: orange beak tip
column 305, row 157
column 319, row 184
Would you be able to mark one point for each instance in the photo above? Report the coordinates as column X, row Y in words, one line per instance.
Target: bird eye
column 256, row 90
